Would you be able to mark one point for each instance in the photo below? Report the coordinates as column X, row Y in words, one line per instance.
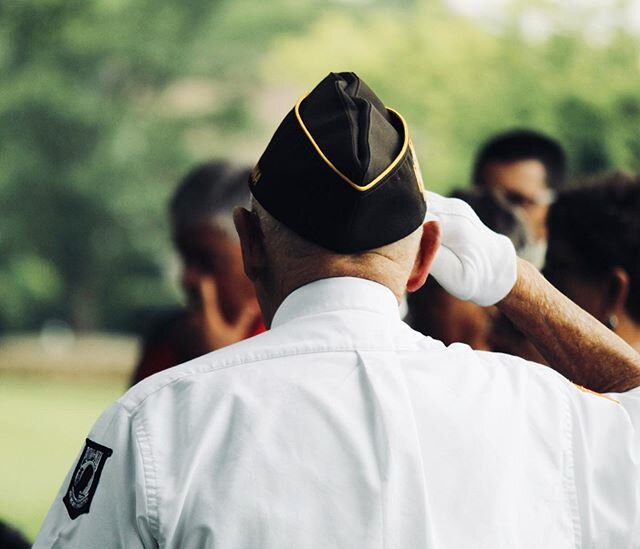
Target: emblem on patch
column 85, row 478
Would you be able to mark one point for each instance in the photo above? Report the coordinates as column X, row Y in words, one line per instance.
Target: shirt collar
column 331, row 294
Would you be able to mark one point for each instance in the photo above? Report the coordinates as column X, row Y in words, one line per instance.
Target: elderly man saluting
column 341, row 427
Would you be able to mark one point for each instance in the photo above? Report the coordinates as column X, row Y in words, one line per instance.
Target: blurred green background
column 104, row 104
column 43, row 424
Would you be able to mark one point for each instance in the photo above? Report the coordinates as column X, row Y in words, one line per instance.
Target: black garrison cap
column 340, row 170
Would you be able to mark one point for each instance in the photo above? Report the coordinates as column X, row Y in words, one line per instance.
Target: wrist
column 525, row 280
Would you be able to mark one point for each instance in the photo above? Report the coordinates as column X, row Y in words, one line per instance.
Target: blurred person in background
column 435, row 312
column 526, row 168
column 221, row 306
column 594, row 251
column 10, row 538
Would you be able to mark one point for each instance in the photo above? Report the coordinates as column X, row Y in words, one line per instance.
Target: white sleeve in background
column 606, row 459
column 103, row 501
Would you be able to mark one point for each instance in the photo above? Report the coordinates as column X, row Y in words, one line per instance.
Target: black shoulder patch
column 85, row 478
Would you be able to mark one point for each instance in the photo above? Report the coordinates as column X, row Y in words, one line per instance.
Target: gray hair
column 292, row 248
column 208, row 194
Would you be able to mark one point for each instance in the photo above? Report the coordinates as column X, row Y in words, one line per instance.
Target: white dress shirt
column 341, row 427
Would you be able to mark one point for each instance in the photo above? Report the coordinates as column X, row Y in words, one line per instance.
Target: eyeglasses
column 519, row 200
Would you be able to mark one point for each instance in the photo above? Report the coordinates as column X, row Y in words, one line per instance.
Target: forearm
column 571, row 340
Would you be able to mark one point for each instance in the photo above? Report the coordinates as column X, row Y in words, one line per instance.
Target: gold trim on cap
column 255, row 175
column 416, row 168
column 381, row 176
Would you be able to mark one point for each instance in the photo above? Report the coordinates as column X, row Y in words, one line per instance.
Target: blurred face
column 523, row 184
column 442, row 316
column 561, row 269
column 207, row 252
column 465, row 322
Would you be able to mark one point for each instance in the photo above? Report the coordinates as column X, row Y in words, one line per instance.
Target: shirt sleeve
column 102, row 501
column 606, row 466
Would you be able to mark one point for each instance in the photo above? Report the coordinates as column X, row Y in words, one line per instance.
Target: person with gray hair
column 220, row 301
column 207, row 196
column 341, row 427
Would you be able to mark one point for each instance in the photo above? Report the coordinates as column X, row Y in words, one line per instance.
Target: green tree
column 106, row 103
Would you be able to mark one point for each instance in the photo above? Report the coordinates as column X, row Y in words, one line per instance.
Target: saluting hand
column 473, row 263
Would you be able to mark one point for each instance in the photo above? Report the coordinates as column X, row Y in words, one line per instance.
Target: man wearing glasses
column 525, row 169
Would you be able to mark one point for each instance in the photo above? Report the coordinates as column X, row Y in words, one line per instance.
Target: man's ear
column 429, row 244
column 251, row 242
column 617, row 291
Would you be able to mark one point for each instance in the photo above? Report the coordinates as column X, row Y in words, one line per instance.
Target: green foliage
column 84, row 152
column 106, row 103
column 55, row 417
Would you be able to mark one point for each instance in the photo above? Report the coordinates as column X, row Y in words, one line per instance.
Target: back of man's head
column 595, row 228
column 519, row 145
column 340, row 171
column 293, row 257
column 338, row 191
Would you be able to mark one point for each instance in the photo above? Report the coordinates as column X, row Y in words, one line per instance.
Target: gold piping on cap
column 381, row 176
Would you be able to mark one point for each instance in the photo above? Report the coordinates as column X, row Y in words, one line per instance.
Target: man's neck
column 272, row 295
column 628, row 330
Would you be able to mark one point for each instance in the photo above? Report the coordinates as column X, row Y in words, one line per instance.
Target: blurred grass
column 43, row 424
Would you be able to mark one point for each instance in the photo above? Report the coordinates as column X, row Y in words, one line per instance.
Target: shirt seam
column 570, row 478
column 150, row 475
column 383, row 474
column 414, row 426
column 244, row 361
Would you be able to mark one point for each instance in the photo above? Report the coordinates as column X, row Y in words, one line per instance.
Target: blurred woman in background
column 594, row 251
